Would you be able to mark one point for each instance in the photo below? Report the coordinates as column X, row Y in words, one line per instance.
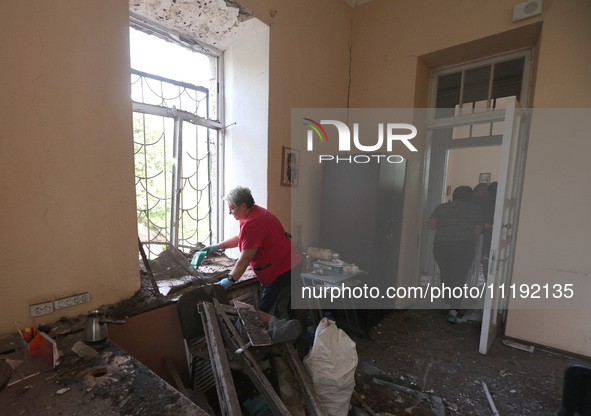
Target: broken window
column 176, row 130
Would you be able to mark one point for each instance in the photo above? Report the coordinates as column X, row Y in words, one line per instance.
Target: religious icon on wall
column 290, row 166
column 484, row 178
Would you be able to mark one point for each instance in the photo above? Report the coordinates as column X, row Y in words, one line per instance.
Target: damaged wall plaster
column 214, row 22
column 355, row 3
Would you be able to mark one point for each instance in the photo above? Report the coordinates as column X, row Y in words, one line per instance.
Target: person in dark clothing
column 480, row 194
column 458, row 224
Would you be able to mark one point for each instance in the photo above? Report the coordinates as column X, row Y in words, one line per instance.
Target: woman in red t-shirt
column 263, row 244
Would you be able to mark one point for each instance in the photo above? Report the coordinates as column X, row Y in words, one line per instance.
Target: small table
column 328, row 279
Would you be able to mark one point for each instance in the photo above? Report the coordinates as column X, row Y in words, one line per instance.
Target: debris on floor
column 429, row 365
column 490, row 399
column 518, row 345
column 411, row 363
column 420, row 350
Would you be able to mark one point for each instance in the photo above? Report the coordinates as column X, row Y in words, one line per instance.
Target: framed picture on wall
column 484, row 178
column 290, row 166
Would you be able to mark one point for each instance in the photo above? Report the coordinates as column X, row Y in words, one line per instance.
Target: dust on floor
column 419, row 349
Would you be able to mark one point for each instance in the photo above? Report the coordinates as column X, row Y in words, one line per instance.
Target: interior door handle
column 507, row 226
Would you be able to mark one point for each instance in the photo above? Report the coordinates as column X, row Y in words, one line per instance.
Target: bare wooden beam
column 229, row 403
column 315, row 406
column 149, row 269
column 250, row 366
column 175, row 375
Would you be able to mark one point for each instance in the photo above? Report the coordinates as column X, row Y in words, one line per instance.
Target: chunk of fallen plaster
column 14, row 363
column 84, row 351
column 518, row 345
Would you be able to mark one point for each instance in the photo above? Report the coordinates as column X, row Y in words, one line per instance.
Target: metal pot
column 96, row 333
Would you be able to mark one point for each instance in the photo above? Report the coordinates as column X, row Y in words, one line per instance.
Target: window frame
column 525, row 53
column 154, row 28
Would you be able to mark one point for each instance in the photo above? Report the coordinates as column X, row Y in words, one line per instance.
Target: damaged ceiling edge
column 153, row 27
column 244, row 13
column 204, row 25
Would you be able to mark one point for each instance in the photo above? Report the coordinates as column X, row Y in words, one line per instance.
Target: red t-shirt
column 276, row 253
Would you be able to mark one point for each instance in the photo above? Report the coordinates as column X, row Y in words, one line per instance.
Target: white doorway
column 471, row 104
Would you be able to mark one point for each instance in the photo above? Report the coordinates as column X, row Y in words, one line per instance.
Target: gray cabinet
column 361, row 215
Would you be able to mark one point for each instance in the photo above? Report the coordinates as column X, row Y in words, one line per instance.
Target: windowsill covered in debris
column 173, row 275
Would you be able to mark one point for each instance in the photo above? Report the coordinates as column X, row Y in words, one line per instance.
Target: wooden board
column 256, row 330
column 227, row 396
column 250, row 366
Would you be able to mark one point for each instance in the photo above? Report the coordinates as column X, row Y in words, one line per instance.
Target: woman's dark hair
column 463, row 193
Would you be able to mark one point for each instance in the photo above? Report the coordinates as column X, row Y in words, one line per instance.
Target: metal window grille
column 175, row 145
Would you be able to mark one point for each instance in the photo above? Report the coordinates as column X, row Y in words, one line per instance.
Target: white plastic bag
column 331, row 364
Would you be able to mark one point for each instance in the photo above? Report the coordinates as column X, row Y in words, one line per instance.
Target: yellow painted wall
column 68, row 207
column 464, row 166
column 308, row 68
column 396, row 43
column 553, row 240
column 67, row 222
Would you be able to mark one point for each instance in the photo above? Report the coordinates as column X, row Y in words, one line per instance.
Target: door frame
column 516, row 184
column 462, row 120
column 431, row 198
column 507, row 209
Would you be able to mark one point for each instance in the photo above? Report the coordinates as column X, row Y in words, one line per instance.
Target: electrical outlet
column 41, row 309
column 71, row 301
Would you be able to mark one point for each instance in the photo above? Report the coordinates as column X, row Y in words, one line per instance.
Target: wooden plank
column 289, row 389
column 229, row 403
column 257, row 333
column 229, row 309
column 195, row 395
column 175, row 375
column 315, row 406
column 149, row 269
column 364, row 404
column 251, row 368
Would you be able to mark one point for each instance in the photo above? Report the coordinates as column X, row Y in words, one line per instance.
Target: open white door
column 504, row 227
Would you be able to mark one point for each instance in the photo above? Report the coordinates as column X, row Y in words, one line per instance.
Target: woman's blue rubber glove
column 226, row 283
column 212, row 248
